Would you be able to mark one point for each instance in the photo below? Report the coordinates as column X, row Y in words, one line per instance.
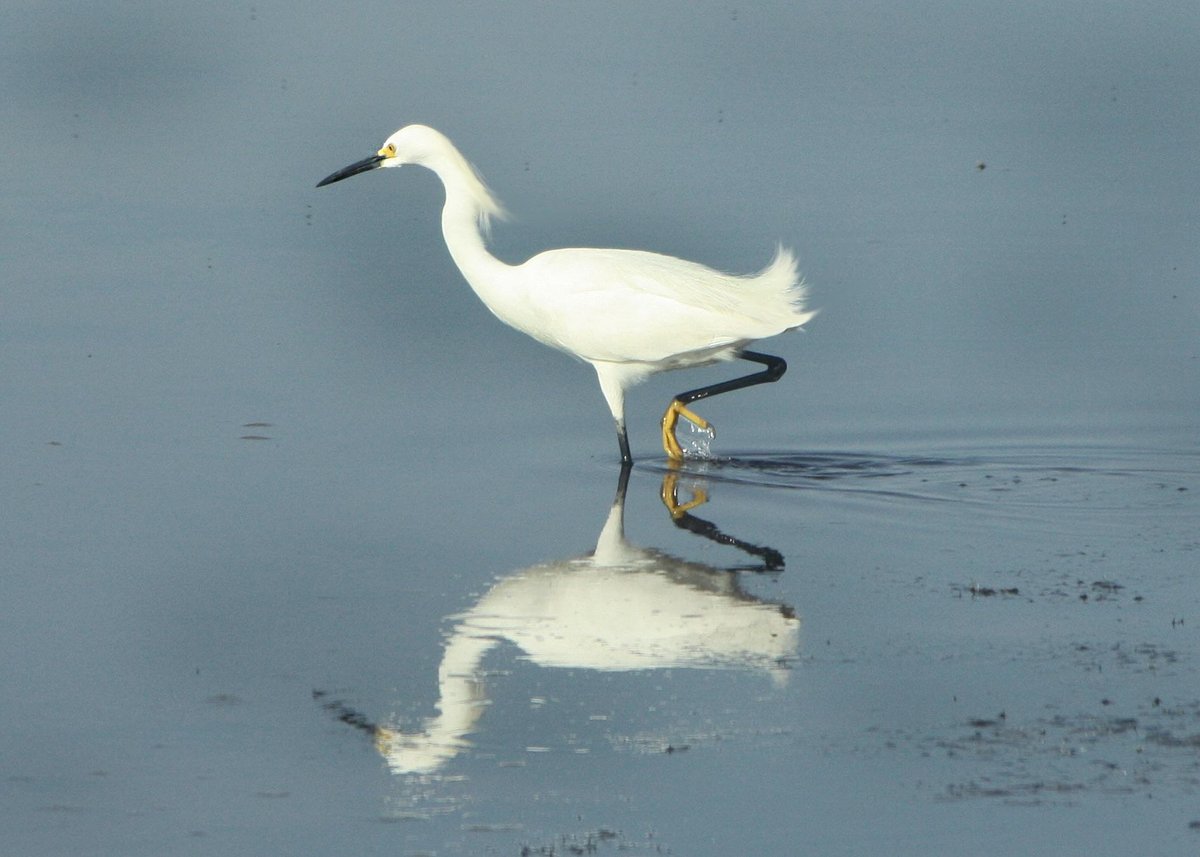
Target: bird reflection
column 619, row 608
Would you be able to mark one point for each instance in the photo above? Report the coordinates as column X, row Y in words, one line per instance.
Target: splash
column 697, row 442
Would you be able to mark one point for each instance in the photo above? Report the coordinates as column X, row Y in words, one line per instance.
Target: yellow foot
column 674, row 411
column 670, row 496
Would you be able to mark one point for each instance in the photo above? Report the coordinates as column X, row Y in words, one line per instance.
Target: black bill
column 352, row 170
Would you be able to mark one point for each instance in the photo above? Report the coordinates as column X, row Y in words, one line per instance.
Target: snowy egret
column 629, row 313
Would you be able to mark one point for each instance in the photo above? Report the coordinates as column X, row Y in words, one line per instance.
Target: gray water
column 304, row 553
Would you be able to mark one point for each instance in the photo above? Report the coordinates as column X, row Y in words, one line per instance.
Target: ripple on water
column 1100, row 478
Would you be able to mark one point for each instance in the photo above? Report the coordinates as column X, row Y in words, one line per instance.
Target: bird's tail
column 782, row 285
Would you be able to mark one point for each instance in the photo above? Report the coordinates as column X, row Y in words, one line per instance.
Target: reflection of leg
column 622, row 483
column 775, row 367
column 670, row 497
column 674, row 411
column 772, row 560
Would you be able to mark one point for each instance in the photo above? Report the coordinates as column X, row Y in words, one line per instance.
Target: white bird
column 629, row 313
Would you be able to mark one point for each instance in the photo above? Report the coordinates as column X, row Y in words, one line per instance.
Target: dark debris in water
column 1062, row 757
column 1169, row 739
column 1060, row 585
column 976, row 591
column 1078, row 589
column 256, row 425
column 569, row 844
column 1028, row 792
column 223, row 699
column 1139, row 658
column 984, row 722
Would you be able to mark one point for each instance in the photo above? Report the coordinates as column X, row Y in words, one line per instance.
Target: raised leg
column 775, row 367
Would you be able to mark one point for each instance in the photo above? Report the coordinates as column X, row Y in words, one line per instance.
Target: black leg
column 776, row 366
column 623, row 440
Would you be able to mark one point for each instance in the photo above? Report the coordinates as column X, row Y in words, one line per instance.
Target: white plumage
column 629, row 313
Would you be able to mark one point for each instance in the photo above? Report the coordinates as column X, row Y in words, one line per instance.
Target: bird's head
column 412, row 144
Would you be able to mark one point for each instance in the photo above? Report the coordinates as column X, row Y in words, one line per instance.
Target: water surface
column 305, row 553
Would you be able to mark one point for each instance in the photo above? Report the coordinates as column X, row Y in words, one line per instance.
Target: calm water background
column 260, row 441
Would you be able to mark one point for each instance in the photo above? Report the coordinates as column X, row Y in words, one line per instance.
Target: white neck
column 465, row 217
column 464, row 234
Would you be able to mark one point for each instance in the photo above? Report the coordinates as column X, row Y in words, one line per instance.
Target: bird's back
column 636, row 306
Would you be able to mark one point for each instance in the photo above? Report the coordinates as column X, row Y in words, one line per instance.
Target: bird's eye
column 390, row 150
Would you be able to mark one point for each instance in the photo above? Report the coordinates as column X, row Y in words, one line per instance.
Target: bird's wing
column 629, row 305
